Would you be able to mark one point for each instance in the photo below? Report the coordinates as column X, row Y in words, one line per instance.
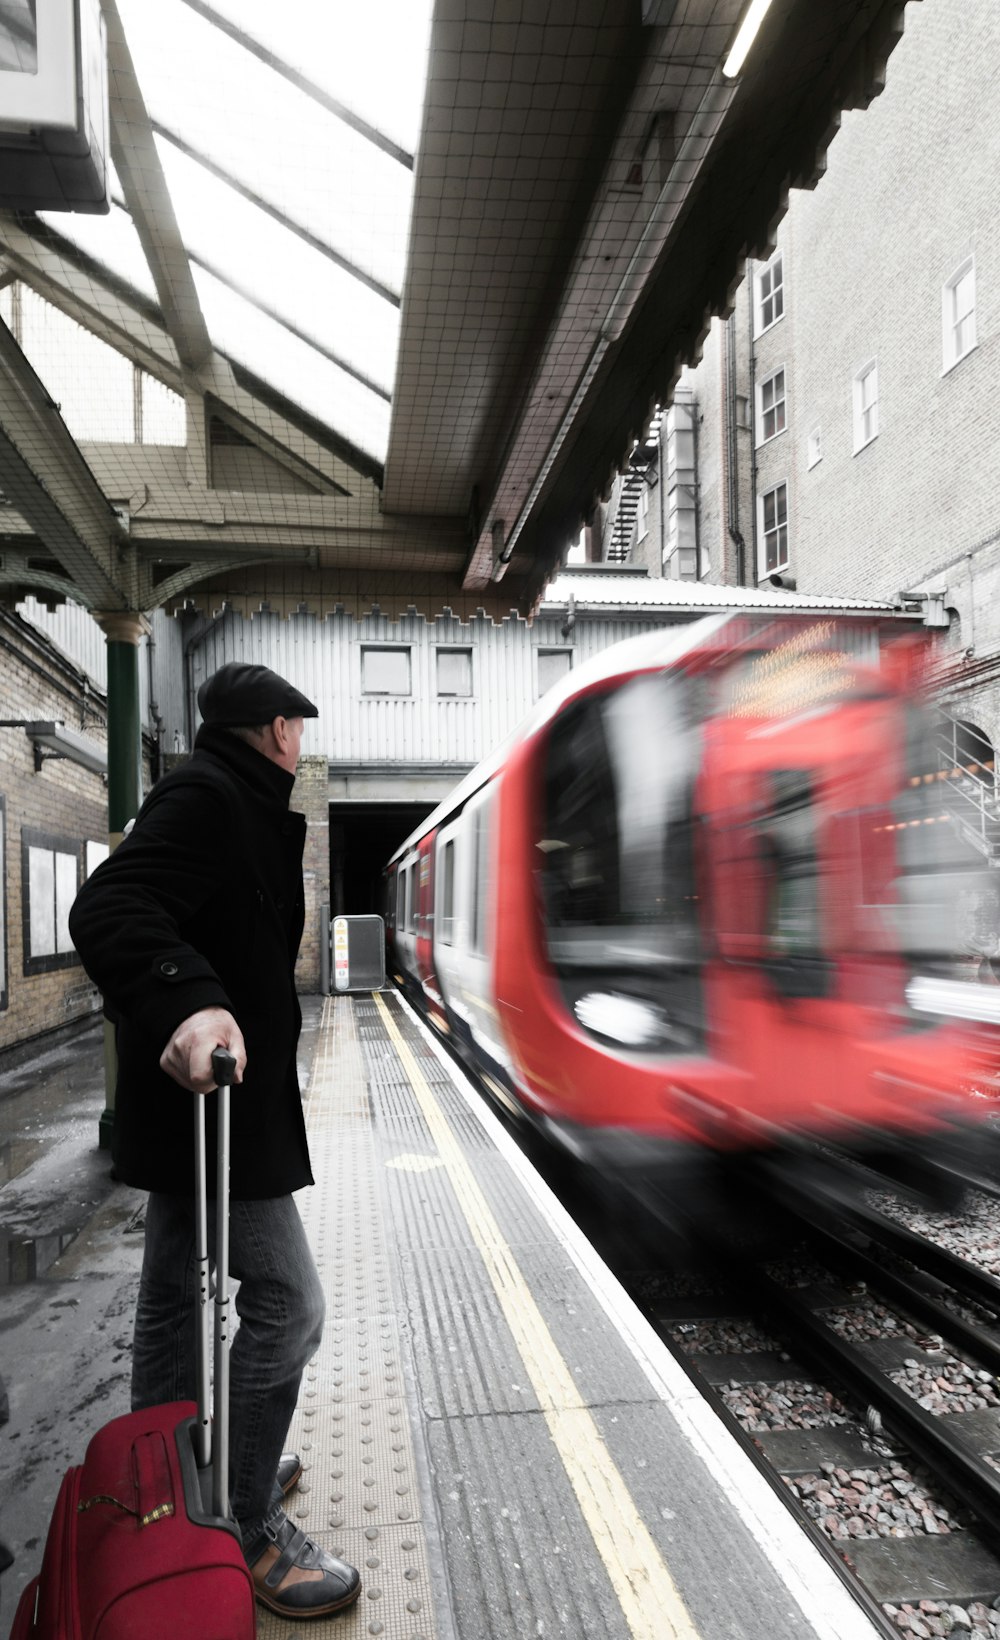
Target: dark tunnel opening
column 363, row 836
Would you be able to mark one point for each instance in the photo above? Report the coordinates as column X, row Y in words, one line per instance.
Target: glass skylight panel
column 223, row 102
column 374, row 63
column 292, row 367
column 270, row 264
column 164, row 413
column 91, row 383
column 111, row 240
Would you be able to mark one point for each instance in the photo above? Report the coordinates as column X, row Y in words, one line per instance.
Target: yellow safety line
column 646, row 1592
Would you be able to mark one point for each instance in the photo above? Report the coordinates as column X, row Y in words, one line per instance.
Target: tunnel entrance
column 362, row 838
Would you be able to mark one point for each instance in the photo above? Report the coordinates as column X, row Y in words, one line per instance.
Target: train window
column 447, row 923
column 788, row 843
column 411, row 899
column 481, row 881
column 617, row 861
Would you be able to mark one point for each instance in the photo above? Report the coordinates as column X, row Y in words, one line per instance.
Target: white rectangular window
column 958, row 314
column 385, row 670
column 642, row 514
column 553, row 665
column 94, row 855
column 770, row 294
column 865, row 405
column 771, row 406
column 50, row 879
column 814, row 447
column 454, row 672
column 773, row 507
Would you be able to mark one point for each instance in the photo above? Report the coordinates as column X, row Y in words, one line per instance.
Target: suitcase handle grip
column 223, row 1067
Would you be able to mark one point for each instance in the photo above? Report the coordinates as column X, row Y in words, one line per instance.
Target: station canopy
column 385, row 296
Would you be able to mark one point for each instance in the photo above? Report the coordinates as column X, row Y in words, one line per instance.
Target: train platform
column 489, row 1431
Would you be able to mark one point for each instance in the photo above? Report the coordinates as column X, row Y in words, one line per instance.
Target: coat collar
column 264, row 778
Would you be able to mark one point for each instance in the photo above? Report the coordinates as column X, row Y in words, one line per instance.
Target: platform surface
column 489, row 1431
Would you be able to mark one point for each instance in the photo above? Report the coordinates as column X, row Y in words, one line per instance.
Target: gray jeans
column 280, row 1304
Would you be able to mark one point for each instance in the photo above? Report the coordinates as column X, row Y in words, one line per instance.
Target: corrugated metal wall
column 323, row 657
column 324, row 660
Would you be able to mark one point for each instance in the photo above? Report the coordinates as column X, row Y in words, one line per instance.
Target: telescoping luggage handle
column 209, row 1450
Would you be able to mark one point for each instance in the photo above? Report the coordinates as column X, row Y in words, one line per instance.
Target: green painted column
column 123, row 630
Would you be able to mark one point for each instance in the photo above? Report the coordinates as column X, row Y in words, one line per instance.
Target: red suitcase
column 141, row 1545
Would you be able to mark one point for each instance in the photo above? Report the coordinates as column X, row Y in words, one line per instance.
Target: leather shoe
column 289, row 1472
column 339, row 1585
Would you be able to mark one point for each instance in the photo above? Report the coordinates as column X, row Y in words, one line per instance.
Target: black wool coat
column 201, row 906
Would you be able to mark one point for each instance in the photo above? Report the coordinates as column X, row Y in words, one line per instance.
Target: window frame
column 765, row 569
column 761, row 326
column 814, row 447
column 867, row 373
column 387, row 694
column 950, row 357
column 551, row 649
column 782, row 404
column 50, row 962
column 455, row 649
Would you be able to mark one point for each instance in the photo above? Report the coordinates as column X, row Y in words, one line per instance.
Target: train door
column 426, row 854
column 479, row 819
column 447, row 953
column 789, row 1001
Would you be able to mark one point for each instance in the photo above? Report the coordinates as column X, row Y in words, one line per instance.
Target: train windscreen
column 618, row 864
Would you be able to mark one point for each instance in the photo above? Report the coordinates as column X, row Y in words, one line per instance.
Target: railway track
column 820, row 1365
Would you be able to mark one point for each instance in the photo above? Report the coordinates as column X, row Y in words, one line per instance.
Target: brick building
column 841, row 428
column 53, row 829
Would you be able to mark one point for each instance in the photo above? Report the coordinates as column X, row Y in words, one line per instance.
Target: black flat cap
column 244, row 697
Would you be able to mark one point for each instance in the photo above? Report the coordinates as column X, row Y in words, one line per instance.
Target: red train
column 708, row 899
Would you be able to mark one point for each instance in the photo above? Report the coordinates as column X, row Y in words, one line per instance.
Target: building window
column 94, row 854
column 4, row 992
column 771, row 406
column 454, row 672
column 770, row 294
column 50, row 871
column 814, row 447
column 958, row 314
column 642, row 513
column 865, row 406
column 773, row 506
column 552, row 664
column 385, row 670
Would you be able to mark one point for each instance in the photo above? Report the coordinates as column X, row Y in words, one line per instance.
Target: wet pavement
column 71, row 1241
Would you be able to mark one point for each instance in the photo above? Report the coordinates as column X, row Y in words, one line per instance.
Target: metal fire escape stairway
column 968, row 788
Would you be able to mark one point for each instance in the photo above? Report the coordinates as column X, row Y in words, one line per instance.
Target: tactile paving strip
column 359, row 1495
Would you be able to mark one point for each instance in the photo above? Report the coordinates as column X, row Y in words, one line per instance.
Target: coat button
column 169, row 968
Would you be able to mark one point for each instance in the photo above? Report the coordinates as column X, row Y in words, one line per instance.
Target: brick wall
column 311, row 797
column 62, row 804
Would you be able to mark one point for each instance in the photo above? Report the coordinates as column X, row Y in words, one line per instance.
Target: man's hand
column 187, row 1057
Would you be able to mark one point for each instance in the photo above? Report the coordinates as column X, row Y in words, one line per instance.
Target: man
column 191, row 930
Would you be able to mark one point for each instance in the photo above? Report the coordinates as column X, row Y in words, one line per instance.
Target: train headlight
column 955, row 998
column 620, row 1018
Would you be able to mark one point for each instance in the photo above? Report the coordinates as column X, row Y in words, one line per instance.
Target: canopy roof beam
column 133, row 149
column 276, row 213
column 44, row 476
